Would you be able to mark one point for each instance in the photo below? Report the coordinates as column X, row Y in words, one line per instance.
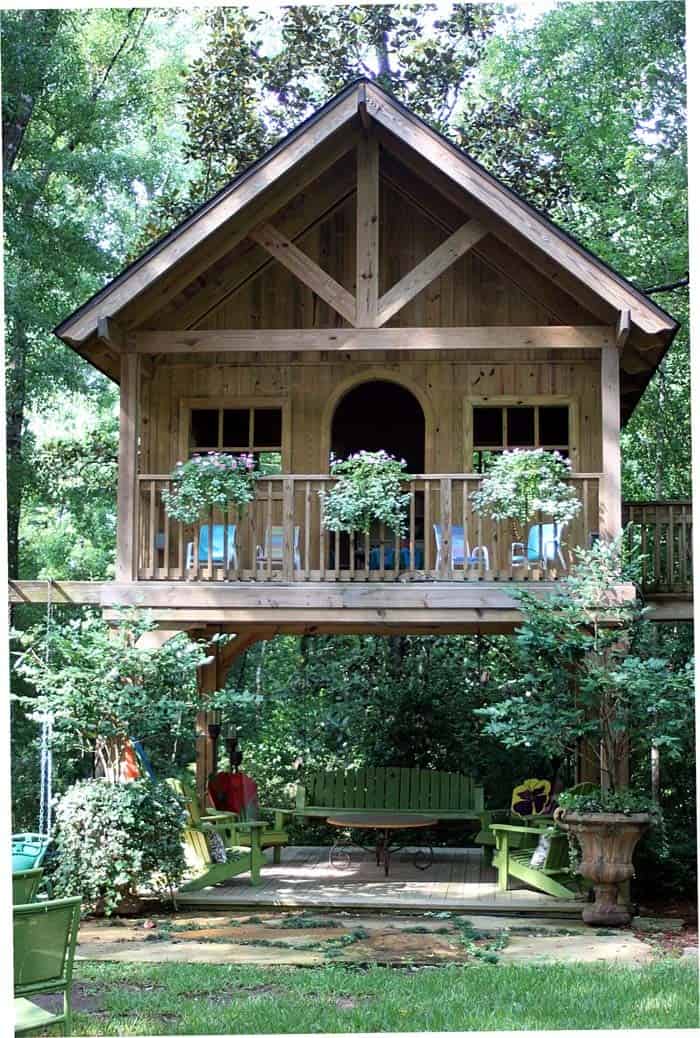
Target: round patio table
column 383, row 823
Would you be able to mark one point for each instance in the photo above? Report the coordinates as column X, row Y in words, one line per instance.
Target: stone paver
column 621, row 948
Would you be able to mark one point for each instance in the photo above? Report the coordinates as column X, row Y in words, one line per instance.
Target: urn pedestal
column 607, row 844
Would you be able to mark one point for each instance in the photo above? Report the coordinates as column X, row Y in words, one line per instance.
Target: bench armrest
column 531, row 829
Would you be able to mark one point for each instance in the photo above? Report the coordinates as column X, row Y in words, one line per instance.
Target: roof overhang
column 650, row 328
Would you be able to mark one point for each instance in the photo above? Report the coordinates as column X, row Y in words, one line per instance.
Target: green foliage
column 111, row 840
column 596, row 801
column 585, row 672
column 368, row 490
column 102, row 687
column 209, row 481
column 521, row 483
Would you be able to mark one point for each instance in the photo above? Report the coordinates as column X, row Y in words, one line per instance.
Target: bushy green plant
column 113, row 840
column 210, row 481
column 368, row 490
column 522, row 483
column 102, row 686
column 586, row 672
column 604, row 801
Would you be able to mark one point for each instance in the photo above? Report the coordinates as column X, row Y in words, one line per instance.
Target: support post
column 128, row 467
column 367, row 287
column 208, row 682
column 610, row 493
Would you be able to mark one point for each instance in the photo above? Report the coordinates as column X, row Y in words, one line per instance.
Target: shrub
column 521, row 483
column 112, row 840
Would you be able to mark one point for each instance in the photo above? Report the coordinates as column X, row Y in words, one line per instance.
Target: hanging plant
column 522, row 483
column 368, row 491
column 210, row 481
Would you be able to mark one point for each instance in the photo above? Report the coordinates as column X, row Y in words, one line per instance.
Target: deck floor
column 458, row 879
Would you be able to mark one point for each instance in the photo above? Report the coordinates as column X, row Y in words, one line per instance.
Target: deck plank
column 457, row 881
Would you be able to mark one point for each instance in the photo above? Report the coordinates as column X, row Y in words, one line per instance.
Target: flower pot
column 607, row 844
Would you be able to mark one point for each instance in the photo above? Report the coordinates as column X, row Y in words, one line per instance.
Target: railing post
column 126, row 569
column 288, row 528
column 610, row 491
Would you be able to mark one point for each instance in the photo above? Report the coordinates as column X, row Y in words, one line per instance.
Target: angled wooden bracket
column 623, row 329
column 111, row 333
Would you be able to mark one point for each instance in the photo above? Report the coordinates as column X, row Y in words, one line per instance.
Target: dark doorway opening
column 380, row 415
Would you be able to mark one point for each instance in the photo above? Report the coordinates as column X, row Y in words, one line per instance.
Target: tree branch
column 682, row 282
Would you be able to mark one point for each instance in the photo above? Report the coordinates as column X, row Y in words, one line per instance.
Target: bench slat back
column 391, row 789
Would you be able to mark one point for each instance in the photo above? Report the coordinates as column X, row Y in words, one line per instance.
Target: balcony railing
column 661, row 534
column 281, row 537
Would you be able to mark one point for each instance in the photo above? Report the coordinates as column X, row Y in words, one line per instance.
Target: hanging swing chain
column 46, row 761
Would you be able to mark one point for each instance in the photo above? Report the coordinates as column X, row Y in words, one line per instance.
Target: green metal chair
column 25, row 884
column 45, row 935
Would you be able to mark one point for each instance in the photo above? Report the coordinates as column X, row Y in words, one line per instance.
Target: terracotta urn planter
column 607, row 842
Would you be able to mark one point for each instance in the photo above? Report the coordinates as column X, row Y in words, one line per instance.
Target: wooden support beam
column 265, row 180
column 428, row 269
column 344, row 340
column 304, row 268
column 610, row 490
column 623, row 329
column 362, row 108
column 111, row 333
column 367, row 280
column 128, row 466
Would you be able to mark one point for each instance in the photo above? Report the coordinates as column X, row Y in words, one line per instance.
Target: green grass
column 194, row 999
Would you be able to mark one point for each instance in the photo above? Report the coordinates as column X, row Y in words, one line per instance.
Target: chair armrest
column 247, row 826
column 531, row 829
column 281, row 815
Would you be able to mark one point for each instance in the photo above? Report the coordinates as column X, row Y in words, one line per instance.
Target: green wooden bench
column 447, row 796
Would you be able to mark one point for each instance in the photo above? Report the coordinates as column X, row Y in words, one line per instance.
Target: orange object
column 234, row 791
column 129, row 768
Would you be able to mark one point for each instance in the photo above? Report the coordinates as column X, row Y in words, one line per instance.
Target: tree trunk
column 16, row 399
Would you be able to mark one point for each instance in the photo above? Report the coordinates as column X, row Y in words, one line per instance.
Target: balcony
column 281, row 537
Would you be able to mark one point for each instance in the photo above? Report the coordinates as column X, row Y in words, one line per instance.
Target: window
column 239, row 430
column 502, row 428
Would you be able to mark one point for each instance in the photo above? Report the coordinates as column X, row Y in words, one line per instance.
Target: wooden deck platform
column 458, row 880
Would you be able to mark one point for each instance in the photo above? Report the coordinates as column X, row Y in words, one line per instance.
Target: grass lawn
column 140, row 999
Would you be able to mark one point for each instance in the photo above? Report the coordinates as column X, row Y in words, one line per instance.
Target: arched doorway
column 380, row 415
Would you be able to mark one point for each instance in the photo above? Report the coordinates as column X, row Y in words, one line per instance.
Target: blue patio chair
column 28, row 850
column 273, row 547
column 461, row 554
column 217, row 546
column 544, row 541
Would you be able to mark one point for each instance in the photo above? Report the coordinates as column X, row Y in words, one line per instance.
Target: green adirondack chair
column 528, row 802
column 25, row 884
column 241, row 841
column 44, row 938
column 551, row 877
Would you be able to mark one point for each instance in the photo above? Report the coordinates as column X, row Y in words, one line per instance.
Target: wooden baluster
column 367, row 553
column 428, row 538
column 152, row 529
column 166, row 542
column 307, row 528
column 586, row 539
column 322, row 536
column 466, row 568
column 682, row 558
column 210, row 546
column 382, row 534
column 645, row 560
column 267, row 542
column 352, row 555
column 252, row 535
column 288, row 569
column 446, row 568
column 397, row 554
column 657, row 549
column 412, row 528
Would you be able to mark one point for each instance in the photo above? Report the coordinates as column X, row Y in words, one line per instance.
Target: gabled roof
column 572, row 264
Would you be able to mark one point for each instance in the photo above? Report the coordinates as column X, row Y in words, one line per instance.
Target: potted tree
column 522, row 483
column 587, row 673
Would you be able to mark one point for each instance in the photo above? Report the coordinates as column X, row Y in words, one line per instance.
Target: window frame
column 234, row 403
column 539, row 400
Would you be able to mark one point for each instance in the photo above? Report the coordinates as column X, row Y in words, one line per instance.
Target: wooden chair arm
column 531, row 829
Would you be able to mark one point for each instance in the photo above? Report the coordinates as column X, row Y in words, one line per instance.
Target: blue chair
column 217, row 546
column 461, row 554
column 28, row 850
column 273, row 548
column 544, row 541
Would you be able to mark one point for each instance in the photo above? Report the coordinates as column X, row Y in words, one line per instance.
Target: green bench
column 447, row 796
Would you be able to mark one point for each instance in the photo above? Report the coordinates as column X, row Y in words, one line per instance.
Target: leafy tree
column 102, row 687
column 83, row 136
